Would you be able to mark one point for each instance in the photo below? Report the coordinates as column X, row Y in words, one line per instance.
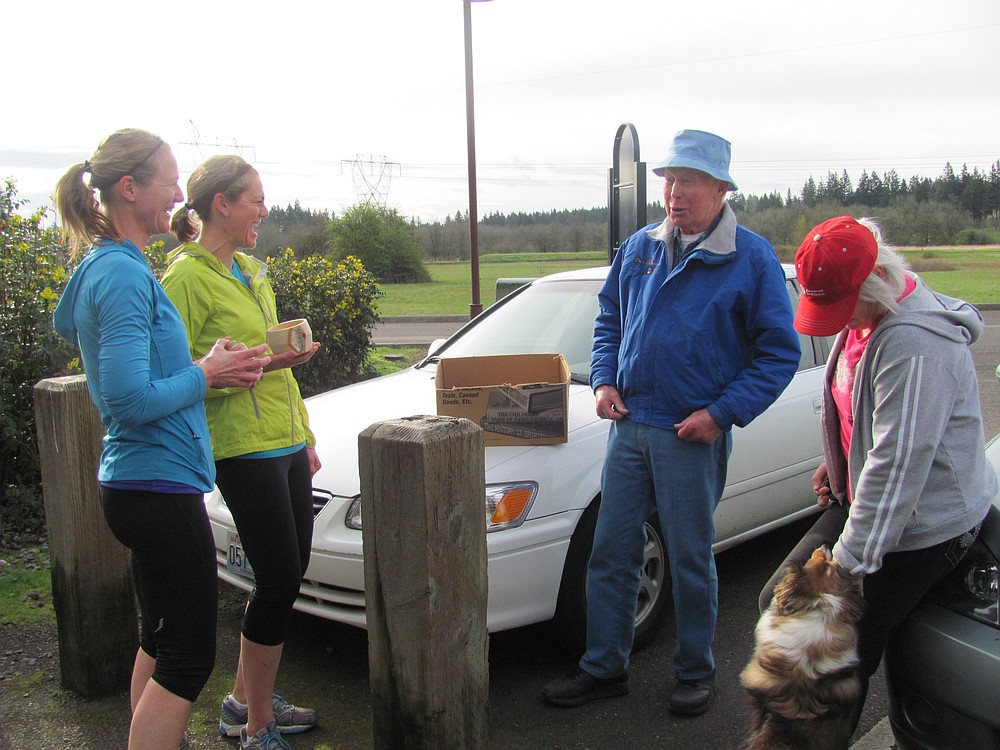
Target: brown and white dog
column 802, row 679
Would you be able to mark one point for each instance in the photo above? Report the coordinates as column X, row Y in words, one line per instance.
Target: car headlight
column 507, row 506
column 353, row 518
column 971, row 588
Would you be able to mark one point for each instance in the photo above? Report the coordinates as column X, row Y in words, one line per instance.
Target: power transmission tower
column 372, row 176
column 203, row 149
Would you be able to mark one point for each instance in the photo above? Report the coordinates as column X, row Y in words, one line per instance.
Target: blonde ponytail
column 125, row 152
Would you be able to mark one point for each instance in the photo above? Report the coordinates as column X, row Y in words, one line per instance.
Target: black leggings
column 173, row 564
column 271, row 503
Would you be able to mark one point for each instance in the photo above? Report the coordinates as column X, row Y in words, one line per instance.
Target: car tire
column 654, row 587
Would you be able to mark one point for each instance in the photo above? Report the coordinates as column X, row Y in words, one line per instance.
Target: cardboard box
column 518, row 399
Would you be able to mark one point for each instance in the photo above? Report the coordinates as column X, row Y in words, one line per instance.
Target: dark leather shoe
column 581, row 687
column 691, row 697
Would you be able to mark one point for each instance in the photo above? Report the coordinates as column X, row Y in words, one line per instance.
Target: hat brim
column 681, row 162
column 827, row 319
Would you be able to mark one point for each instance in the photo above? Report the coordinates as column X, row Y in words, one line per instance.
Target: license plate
column 237, row 562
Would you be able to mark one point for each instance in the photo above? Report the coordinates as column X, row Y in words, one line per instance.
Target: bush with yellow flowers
column 339, row 300
column 33, row 274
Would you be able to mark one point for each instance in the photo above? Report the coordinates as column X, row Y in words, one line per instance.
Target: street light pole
column 477, row 306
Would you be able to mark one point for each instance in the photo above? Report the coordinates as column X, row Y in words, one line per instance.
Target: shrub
column 384, row 242
column 32, row 277
column 974, row 237
column 339, row 300
column 156, row 255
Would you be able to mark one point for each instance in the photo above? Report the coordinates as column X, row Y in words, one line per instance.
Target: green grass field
column 451, row 291
column 971, row 273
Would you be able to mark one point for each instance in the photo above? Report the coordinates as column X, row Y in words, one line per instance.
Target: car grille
column 320, row 499
column 315, row 598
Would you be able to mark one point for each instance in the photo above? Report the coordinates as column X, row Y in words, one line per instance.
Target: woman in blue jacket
column 157, row 461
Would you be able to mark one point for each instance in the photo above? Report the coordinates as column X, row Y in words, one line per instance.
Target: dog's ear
column 789, row 596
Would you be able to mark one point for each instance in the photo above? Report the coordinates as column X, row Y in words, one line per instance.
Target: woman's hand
column 291, row 358
column 314, row 463
column 233, row 368
column 821, row 486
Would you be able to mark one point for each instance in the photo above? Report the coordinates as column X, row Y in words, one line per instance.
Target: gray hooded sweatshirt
column 917, row 457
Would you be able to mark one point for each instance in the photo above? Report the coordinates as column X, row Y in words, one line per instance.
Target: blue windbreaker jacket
column 715, row 332
column 139, row 369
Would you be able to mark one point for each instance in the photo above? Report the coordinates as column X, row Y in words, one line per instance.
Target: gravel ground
column 50, row 716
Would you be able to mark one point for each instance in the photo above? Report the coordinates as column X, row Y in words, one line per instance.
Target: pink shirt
column 843, row 381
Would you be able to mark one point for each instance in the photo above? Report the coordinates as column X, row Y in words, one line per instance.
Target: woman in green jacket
column 261, row 441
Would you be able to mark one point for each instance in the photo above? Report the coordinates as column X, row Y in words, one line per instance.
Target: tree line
column 973, row 191
column 954, row 208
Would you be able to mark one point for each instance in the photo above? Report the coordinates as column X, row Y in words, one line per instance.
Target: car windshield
column 551, row 317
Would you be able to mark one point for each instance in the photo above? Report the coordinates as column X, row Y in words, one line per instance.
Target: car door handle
column 817, row 405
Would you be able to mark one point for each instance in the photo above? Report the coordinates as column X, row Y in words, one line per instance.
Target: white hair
column 887, row 281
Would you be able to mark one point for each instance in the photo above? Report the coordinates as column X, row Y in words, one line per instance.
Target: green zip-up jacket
column 213, row 304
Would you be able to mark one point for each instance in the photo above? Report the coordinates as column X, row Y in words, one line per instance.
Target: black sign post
column 626, row 189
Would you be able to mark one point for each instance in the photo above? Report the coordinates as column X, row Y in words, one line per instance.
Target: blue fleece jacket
column 714, row 332
column 139, row 369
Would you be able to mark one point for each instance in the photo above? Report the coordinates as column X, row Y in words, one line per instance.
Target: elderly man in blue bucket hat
column 694, row 336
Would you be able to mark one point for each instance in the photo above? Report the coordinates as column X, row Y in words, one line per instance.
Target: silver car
column 943, row 663
column 538, row 559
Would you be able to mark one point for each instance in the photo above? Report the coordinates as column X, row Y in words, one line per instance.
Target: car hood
column 339, row 416
column 993, row 457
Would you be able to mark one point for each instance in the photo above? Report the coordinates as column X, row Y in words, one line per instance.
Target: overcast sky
column 302, row 89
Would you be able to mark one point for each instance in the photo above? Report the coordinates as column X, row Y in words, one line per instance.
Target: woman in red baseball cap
column 902, row 427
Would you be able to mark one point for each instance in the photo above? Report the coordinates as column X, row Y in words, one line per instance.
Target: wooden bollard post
column 92, row 590
column 423, row 484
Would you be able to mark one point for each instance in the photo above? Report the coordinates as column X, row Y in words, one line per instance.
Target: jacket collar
column 722, row 240
column 253, row 269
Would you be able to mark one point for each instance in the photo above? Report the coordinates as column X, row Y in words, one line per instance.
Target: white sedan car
column 538, row 561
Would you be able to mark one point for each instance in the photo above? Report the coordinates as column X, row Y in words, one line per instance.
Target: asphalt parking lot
column 326, row 664
column 521, row 660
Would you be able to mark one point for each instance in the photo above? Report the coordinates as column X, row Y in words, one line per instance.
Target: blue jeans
column 649, row 469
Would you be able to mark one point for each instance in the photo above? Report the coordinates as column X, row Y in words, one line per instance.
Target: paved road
column 416, row 331
column 523, row 659
column 986, row 352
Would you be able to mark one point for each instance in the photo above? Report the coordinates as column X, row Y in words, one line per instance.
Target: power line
column 372, row 177
column 200, row 145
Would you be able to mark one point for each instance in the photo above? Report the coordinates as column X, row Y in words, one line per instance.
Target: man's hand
column 699, row 427
column 609, row 403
